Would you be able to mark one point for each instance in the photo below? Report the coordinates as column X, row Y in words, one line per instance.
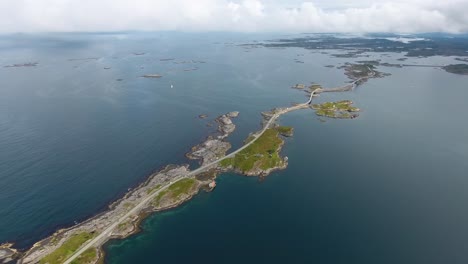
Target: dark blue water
column 388, row 187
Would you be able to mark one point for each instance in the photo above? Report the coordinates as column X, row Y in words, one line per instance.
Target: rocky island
column 216, row 147
column 263, row 156
column 341, row 109
column 362, row 71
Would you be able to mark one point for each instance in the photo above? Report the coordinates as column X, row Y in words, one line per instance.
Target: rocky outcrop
column 226, row 126
column 6, row 253
column 215, row 147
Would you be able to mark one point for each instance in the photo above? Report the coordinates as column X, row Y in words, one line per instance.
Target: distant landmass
column 457, row 68
column 425, row 45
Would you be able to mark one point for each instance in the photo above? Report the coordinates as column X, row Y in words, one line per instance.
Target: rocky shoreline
column 214, row 148
column 7, row 253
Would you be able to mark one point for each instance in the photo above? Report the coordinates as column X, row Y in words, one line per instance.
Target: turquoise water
column 388, row 187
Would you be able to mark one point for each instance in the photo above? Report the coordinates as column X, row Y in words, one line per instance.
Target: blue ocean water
column 388, row 187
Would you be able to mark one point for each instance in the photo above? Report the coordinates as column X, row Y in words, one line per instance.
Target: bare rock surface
column 214, row 148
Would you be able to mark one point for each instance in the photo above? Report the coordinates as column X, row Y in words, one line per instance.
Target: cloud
column 230, row 15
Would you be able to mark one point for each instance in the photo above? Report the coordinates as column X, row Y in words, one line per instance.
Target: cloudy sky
column 405, row 16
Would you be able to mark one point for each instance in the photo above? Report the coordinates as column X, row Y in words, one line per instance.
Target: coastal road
column 104, row 235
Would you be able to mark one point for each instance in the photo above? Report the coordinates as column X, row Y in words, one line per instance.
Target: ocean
column 83, row 126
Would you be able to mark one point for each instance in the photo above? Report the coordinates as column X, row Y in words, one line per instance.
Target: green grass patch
column 153, row 189
column 226, row 162
column 175, row 190
column 344, row 115
column 180, row 187
column 284, row 129
column 86, row 257
column 67, row 249
column 339, row 109
column 325, row 112
column 262, row 153
column 158, row 197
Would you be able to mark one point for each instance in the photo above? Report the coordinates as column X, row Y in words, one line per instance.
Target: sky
column 351, row 16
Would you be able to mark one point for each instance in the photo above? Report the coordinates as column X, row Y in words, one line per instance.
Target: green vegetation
column 180, row 187
column 285, row 131
column 227, row 162
column 176, row 190
column 263, row 153
column 158, row 197
column 457, row 69
column 86, row 257
column 67, row 248
column 207, row 175
column 339, row 109
column 327, row 113
column 153, row 189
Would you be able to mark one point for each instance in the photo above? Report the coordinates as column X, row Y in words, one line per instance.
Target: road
column 104, row 235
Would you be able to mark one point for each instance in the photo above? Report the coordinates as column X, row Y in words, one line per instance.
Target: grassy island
column 173, row 193
column 262, row 155
column 69, row 247
column 340, row 109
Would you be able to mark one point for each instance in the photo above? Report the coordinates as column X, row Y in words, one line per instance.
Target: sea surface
column 83, row 126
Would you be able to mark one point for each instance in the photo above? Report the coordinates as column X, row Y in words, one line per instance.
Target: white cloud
column 232, row 15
